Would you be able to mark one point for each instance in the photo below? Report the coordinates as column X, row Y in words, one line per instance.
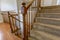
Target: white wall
column 8, row 5
column 54, row 2
column 58, row 2
column 0, row 5
column 48, row 2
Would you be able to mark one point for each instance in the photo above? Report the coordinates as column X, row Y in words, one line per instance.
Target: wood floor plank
column 5, row 33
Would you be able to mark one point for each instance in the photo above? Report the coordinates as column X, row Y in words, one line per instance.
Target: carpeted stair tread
column 40, row 35
column 52, row 21
column 48, row 29
column 48, row 25
column 49, row 15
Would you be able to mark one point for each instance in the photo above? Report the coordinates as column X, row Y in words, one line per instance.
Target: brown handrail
column 12, row 15
column 15, row 18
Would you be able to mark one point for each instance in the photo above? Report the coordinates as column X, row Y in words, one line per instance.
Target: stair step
column 52, row 21
column 34, row 35
column 32, row 38
column 49, row 15
column 49, row 29
column 40, row 35
column 50, row 10
column 47, row 25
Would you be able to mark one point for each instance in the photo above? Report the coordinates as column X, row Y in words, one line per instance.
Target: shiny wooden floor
column 5, row 33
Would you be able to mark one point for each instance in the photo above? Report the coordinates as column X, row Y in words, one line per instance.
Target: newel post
column 25, row 31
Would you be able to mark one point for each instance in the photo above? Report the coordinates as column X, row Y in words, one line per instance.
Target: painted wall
column 54, row 2
column 0, row 5
column 8, row 5
column 48, row 2
column 58, row 2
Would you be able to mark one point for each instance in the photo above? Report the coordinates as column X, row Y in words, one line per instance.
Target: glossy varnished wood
column 5, row 33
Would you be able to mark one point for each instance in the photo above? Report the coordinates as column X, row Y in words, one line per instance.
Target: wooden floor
column 5, row 33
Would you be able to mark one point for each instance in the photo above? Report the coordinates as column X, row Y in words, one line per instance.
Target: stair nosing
column 49, row 13
column 48, row 25
column 44, row 33
column 49, row 18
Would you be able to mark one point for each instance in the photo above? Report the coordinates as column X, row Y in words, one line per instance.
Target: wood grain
column 5, row 33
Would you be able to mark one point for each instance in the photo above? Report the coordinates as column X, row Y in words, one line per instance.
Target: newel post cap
column 23, row 3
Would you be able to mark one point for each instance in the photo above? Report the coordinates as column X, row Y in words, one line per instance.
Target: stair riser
column 48, row 21
column 47, row 30
column 49, row 15
column 50, row 11
column 55, row 10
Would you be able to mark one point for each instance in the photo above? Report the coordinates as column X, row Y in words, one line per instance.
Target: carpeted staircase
column 47, row 25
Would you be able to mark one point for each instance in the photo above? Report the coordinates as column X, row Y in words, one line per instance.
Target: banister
column 15, row 18
column 14, row 14
column 25, row 28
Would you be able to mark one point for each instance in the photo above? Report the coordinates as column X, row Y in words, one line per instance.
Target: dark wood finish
column 10, row 22
column 24, row 22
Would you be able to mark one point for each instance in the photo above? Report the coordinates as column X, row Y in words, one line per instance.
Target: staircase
column 47, row 24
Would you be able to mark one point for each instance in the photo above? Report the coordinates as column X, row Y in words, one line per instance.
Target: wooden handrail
column 12, row 15
column 15, row 18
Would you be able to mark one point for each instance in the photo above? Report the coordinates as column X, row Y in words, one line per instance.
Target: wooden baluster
column 29, row 25
column 16, row 23
column 19, row 24
column 13, row 24
column 38, row 5
column 10, row 22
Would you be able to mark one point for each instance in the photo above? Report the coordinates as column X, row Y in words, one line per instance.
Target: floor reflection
column 1, row 35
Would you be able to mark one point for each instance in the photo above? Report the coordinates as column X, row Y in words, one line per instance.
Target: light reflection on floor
column 1, row 35
column 5, row 33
